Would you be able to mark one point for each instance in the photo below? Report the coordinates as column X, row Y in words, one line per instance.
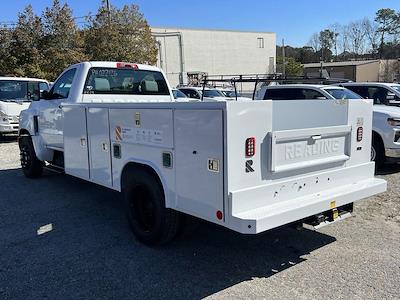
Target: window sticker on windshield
column 105, row 72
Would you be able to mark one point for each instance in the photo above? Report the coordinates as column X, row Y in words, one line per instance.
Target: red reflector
column 360, row 131
column 219, row 215
column 250, row 146
column 121, row 65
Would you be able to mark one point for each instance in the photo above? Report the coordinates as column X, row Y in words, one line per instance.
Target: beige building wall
column 368, row 72
column 215, row 52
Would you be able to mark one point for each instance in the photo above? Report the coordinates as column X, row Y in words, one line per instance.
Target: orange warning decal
column 118, row 133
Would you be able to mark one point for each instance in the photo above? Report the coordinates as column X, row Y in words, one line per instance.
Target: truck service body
column 247, row 165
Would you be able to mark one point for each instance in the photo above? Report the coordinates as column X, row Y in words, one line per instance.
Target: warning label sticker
column 139, row 135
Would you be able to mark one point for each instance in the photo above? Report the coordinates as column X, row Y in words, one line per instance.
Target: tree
column 335, row 29
column 292, row 67
column 372, row 34
column 315, row 42
column 7, row 60
column 356, row 37
column 63, row 42
column 389, row 23
column 326, row 39
column 120, row 35
column 25, row 45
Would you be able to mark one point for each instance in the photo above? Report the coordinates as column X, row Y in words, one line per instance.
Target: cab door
column 50, row 119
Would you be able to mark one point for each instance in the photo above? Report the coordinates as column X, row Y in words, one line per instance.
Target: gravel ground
column 91, row 254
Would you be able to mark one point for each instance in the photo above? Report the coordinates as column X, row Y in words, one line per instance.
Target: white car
column 232, row 95
column 305, row 91
column 179, row 96
column 16, row 95
column 210, row 94
column 386, row 121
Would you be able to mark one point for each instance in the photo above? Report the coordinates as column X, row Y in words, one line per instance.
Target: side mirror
column 45, row 95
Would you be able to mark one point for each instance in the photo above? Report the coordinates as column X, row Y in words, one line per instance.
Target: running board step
column 54, row 168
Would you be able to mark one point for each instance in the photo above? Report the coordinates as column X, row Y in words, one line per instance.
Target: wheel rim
column 25, row 157
column 373, row 153
column 143, row 209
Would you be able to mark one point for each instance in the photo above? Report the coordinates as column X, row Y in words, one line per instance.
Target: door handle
column 316, row 137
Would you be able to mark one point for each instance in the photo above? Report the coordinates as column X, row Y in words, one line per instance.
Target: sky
column 292, row 20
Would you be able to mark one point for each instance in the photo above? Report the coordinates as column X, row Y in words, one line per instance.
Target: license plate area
column 298, row 149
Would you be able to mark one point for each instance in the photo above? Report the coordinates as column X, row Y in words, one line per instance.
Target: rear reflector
column 360, row 131
column 122, row 65
column 251, row 146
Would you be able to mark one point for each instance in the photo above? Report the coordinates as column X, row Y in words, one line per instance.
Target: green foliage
column 62, row 41
column 25, row 44
column 388, row 23
column 120, row 35
column 292, row 67
column 43, row 46
column 7, row 60
column 327, row 38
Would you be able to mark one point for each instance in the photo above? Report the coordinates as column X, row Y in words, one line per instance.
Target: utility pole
column 108, row 10
column 283, row 58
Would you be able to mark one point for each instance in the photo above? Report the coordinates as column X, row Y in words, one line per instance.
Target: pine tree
column 7, row 60
column 25, row 45
column 62, row 42
column 120, row 35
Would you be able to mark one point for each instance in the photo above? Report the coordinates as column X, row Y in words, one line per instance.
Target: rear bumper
column 281, row 213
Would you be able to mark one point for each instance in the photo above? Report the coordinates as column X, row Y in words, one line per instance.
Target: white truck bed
column 307, row 161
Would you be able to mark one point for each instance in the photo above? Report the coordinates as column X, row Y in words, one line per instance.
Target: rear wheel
column 377, row 152
column 151, row 222
column 31, row 165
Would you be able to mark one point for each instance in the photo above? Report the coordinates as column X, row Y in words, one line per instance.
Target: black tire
column 151, row 222
column 31, row 165
column 377, row 152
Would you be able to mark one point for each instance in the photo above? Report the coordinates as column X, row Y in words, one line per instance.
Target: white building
column 214, row 52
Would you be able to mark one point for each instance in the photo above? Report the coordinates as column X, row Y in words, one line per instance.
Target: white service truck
column 247, row 165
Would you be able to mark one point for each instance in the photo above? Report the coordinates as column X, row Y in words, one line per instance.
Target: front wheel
column 31, row 165
column 151, row 222
column 377, row 152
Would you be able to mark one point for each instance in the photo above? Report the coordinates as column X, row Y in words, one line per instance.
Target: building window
column 260, row 42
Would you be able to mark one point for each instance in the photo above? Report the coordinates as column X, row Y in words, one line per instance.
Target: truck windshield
column 343, row 94
column 125, row 82
column 13, row 90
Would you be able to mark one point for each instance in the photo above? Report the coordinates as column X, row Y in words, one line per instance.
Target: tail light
column 360, row 131
column 250, row 146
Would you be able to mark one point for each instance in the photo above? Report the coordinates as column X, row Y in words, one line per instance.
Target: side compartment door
column 199, row 162
column 99, row 146
column 75, row 142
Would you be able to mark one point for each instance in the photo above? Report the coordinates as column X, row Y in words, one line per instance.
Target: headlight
column 393, row 121
column 3, row 117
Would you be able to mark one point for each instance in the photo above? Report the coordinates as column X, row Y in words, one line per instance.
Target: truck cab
column 16, row 95
column 89, row 82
